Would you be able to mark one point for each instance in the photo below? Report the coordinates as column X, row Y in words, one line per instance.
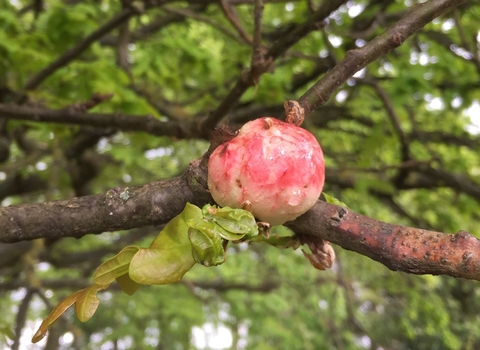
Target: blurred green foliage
column 262, row 297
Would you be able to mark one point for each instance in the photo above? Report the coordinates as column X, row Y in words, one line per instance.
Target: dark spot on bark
column 443, row 260
column 415, row 249
column 463, row 234
column 398, row 38
column 427, row 255
column 336, row 218
column 239, row 183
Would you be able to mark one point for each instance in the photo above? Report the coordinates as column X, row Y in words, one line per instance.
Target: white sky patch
column 43, row 266
column 341, row 96
column 423, row 59
column 289, row 6
column 355, row 9
column 323, row 53
column 15, row 3
column 459, row 51
column 103, row 145
column 41, row 166
column 3, row 176
column 456, row 102
column 386, row 68
column 6, row 202
column 435, row 104
column 360, row 42
column 448, row 25
column 211, row 337
column 474, row 113
column 364, row 342
column 158, row 152
column 360, row 73
column 66, row 339
column 27, row 334
column 336, row 41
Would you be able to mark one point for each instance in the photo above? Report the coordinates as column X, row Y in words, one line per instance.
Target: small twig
column 257, row 55
column 465, row 42
column 121, row 48
column 357, row 59
column 70, row 116
column 95, row 100
column 22, row 318
column 78, row 49
column 185, row 12
column 248, row 78
column 395, row 120
column 232, row 16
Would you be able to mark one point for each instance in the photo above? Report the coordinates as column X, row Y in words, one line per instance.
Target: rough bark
column 399, row 248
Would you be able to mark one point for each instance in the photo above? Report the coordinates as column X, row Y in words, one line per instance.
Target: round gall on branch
column 272, row 168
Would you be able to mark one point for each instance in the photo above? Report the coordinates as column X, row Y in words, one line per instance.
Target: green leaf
column 87, row 301
column 235, row 221
column 169, row 256
column 127, row 285
column 278, row 241
column 54, row 315
column 207, row 249
column 86, row 304
column 333, row 200
column 230, row 224
column 115, row 267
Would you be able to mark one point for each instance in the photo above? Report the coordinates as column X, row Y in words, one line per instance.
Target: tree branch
column 74, row 52
column 118, row 209
column 357, row 59
column 250, row 77
column 400, row 248
column 118, row 121
column 22, row 317
column 232, row 16
column 257, row 55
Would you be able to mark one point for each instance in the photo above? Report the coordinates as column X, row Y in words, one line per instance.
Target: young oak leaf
column 86, row 304
column 115, row 266
column 169, row 256
column 207, row 247
column 54, row 315
column 236, row 223
column 333, row 200
column 87, row 301
column 127, row 285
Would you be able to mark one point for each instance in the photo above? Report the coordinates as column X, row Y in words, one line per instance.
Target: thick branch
column 399, row 248
column 119, row 209
column 357, row 59
column 116, row 121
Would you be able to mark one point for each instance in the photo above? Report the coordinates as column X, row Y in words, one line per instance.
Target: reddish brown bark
column 399, row 248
